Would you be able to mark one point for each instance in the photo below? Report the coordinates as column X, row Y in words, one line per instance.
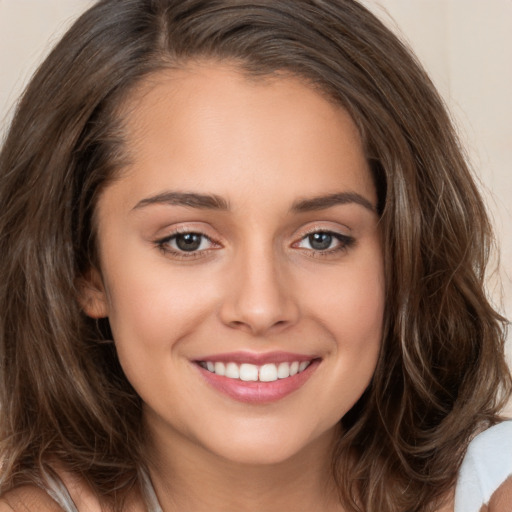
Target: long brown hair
column 441, row 375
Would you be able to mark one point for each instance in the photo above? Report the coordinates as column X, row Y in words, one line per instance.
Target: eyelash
column 344, row 243
column 164, row 245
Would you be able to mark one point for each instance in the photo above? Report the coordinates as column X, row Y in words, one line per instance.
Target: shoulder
column 28, row 498
column 501, row 500
column 66, row 493
column 486, row 470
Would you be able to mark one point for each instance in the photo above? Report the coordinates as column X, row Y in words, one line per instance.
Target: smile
column 247, row 372
column 257, row 378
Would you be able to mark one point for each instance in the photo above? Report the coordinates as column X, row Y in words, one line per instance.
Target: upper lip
column 257, row 358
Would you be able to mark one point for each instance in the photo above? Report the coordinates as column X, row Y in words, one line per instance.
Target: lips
column 257, row 378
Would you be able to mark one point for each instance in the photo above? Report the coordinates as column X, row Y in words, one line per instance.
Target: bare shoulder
column 28, row 498
column 4, row 506
column 501, row 500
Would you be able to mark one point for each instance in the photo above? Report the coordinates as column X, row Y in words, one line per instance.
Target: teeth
column 248, row 372
column 251, row 373
column 220, row 369
column 268, row 373
column 232, row 371
column 283, row 370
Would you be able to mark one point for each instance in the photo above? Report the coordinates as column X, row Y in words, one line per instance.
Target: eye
column 325, row 241
column 185, row 244
column 190, row 242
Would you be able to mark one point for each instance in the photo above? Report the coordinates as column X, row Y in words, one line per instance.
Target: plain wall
column 465, row 45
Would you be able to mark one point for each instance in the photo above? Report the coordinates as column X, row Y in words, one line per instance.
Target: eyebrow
column 324, row 202
column 187, row 199
column 215, row 202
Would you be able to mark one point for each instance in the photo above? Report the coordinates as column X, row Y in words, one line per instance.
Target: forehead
column 209, row 125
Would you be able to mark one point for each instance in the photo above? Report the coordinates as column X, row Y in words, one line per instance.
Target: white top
column 487, row 464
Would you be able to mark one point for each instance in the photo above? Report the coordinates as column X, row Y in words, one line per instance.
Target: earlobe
column 92, row 296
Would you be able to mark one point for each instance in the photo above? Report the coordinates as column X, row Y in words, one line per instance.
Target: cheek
column 151, row 307
column 363, row 306
column 151, row 313
column 350, row 303
column 359, row 331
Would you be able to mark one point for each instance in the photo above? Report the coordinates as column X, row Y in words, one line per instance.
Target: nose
column 259, row 298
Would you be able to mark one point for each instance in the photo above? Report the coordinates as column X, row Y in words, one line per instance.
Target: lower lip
column 258, row 392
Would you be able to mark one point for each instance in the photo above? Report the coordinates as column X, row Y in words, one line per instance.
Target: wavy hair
column 441, row 375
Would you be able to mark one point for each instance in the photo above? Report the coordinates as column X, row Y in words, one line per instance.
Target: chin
column 266, row 447
column 262, row 455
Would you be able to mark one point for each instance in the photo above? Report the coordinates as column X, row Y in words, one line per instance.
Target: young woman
column 243, row 265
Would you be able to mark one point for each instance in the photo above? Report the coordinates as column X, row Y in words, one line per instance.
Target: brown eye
column 188, row 241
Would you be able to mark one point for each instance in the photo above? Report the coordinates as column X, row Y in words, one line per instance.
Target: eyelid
column 339, row 236
column 345, row 240
column 179, row 228
column 328, row 227
column 162, row 243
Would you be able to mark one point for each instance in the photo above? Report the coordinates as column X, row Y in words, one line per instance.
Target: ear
column 92, row 296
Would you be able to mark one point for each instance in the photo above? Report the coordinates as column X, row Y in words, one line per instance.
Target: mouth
column 248, row 372
column 257, row 378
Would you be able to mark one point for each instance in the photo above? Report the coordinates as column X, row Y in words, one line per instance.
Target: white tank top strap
column 152, row 503
column 56, row 489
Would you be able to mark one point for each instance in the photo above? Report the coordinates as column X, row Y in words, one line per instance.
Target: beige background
column 466, row 45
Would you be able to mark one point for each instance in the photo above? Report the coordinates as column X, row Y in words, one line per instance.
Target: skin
column 255, row 284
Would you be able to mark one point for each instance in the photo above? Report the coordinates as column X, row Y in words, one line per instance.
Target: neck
column 188, row 477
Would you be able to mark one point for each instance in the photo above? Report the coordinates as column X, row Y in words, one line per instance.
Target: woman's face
column 241, row 263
